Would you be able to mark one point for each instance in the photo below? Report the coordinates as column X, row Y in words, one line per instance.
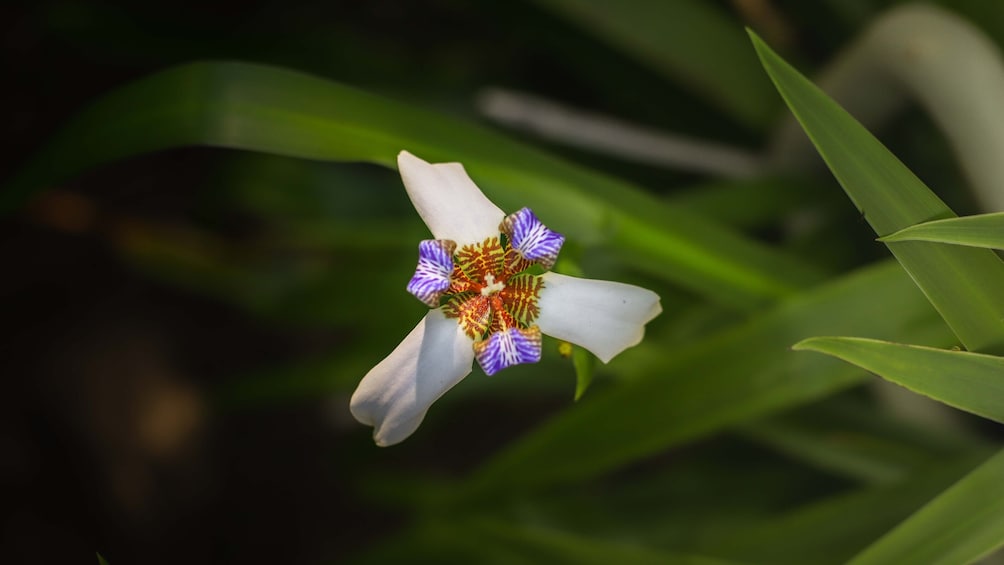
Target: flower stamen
column 491, row 285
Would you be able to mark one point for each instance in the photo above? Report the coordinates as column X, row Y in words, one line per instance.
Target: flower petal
column 602, row 316
column 449, row 202
column 432, row 275
column 507, row 348
column 532, row 239
column 395, row 395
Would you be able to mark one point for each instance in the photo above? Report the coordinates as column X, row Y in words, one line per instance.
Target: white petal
column 395, row 395
column 448, row 200
column 602, row 316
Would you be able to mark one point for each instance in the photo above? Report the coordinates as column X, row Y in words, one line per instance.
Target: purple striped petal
column 507, row 348
column 432, row 275
column 532, row 239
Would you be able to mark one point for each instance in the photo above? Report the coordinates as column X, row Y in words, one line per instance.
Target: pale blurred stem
column 943, row 62
column 912, row 52
column 611, row 136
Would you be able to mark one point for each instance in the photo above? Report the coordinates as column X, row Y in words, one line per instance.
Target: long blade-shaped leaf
column 272, row 110
column 834, row 529
column 963, row 524
column 676, row 396
column 969, row 381
column 847, row 436
column 983, row 230
column 963, row 284
column 673, row 39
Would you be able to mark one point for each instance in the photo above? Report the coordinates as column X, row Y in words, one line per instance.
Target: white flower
column 485, row 306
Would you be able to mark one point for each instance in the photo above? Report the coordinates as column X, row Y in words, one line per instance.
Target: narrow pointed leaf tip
column 493, row 309
column 973, row 382
column 584, row 363
column 983, row 230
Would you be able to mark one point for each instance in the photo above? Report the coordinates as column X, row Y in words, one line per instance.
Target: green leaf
column 266, row 109
column 672, row 396
column 696, row 497
column 833, row 529
column 861, row 458
column 963, row 524
column 585, row 366
column 968, row 381
column 673, row 38
column 748, row 203
column 848, row 437
column 963, row 284
column 983, row 230
column 101, row 560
